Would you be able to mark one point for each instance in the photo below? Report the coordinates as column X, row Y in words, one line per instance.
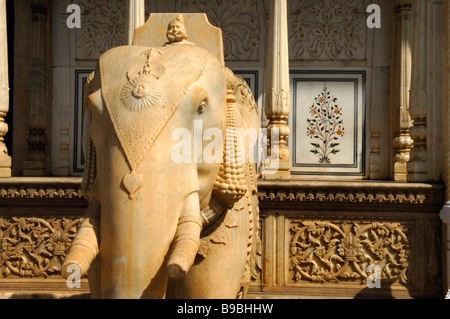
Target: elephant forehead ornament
column 138, row 109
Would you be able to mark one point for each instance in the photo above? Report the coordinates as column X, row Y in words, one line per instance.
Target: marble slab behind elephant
column 200, row 31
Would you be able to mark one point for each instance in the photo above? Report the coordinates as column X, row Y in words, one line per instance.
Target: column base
column 445, row 217
column 5, row 166
column 400, row 172
column 35, row 168
column 274, row 170
column 417, row 172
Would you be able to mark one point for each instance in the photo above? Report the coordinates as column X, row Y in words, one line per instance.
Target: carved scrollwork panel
column 240, row 22
column 104, row 27
column 327, row 30
column 33, row 246
column 329, row 251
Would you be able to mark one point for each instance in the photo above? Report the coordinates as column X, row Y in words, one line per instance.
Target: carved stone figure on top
column 156, row 227
column 176, row 31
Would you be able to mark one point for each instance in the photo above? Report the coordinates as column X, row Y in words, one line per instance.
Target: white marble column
column 136, row 17
column 277, row 92
column 400, row 92
column 5, row 159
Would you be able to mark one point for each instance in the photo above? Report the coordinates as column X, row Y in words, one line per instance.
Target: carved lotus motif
column 58, row 243
column 350, row 248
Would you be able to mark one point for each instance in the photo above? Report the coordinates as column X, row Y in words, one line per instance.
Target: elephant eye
column 201, row 107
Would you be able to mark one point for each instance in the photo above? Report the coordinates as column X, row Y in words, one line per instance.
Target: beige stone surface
column 199, row 30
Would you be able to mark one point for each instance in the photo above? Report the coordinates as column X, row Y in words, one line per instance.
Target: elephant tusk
column 187, row 239
column 85, row 245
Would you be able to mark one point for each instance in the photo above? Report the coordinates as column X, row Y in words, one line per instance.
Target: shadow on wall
column 387, row 292
column 384, row 292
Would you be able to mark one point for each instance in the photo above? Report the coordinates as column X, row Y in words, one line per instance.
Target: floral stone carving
column 104, row 27
column 35, row 247
column 240, row 24
column 327, row 30
column 322, row 251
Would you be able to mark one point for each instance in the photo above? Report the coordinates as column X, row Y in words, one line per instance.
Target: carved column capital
column 38, row 10
column 403, row 5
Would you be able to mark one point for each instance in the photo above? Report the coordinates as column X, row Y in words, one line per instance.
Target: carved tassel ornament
column 230, row 185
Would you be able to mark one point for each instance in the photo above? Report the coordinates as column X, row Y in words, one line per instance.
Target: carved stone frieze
column 328, row 251
column 40, row 192
column 104, row 27
column 240, row 22
column 376, row 196
column 33, row 246
column 327, row 30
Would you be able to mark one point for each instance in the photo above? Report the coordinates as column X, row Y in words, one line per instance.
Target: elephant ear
column 90, row 157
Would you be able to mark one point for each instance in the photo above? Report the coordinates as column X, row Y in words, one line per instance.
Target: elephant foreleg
column 85, row 245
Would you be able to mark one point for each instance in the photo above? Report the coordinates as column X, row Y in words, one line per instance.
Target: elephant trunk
column 85, row 245
column 187, row 238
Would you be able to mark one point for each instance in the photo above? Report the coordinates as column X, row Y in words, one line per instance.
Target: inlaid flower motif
column 325, row 125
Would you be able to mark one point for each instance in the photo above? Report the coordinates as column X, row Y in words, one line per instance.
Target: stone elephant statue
column 157, row 227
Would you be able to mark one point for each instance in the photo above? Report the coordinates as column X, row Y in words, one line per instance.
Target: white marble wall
column 350, row 47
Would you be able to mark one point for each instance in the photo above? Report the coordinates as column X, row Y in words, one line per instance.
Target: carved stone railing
column 321, row 238
column 318, row 238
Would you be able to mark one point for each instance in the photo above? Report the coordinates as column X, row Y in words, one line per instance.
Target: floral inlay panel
column 328, row 123
column 326, row 251
column 325, row 126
